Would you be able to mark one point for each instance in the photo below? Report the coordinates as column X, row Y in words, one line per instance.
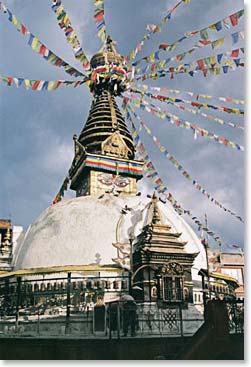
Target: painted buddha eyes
column 109, row 180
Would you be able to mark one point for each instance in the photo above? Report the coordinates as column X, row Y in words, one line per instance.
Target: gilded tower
column 104, row 151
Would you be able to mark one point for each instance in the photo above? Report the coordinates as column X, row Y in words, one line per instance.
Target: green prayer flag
column 204, row 34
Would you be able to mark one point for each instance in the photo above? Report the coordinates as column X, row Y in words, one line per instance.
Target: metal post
column 131, row 266
column 68, row 303
column 204, row 293
column 149, row 281
column 38, row 320
column 181, row 321
column 118, row 320
column 206, row 247
column 19, row 279
column 158, row 288
column 110, row 331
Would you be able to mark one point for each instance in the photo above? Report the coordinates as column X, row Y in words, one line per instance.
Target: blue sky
column 36, row 147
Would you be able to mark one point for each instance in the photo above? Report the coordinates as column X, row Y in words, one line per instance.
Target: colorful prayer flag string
column 191, row 94
column 152, row 28
column 206, row 65
column 227, row 22
column 153, row 61
column 39, row 85
column 65, row 24
column 99, row 18
column 179, row 167
column 173, row 119
column 62, row 190
column 38, row 46
column 176, row 102
column 152, row 174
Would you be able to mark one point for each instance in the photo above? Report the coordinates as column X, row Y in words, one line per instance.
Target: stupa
column 109, row 240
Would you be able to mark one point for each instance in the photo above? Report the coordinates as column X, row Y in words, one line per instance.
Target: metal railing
column 58, row 306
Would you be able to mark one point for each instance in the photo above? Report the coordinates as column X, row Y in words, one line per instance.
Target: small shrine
column 162, row 267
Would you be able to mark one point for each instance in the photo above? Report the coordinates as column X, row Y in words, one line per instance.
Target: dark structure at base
column 211, row 342
column 126, row 349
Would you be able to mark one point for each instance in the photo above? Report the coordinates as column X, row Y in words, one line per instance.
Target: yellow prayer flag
column 51, row 85
column 235, row 110
column 213, row 60
column 65, row 19
column 98, row 2
column 27, row 83
column 213, row 26
column 152, row 57
column 60, row 9
column 34, row 43
column 14, row 20
column 102, row 33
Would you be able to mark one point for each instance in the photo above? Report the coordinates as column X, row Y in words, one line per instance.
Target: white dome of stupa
column 82, row 231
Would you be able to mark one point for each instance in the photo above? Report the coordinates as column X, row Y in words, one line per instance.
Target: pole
column 19, row 279
column 206, row 248
column 131, row 266
column 68, row 303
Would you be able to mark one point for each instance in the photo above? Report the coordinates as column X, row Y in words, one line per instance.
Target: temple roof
column 157, row 235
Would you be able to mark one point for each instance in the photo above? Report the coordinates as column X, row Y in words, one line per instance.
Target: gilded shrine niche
column 114, row 145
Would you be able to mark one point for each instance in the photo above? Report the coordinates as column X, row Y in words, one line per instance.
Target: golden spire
column 156, row 218
column 105, row 131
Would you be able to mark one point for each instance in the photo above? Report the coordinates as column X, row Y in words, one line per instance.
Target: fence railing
column 59, row 306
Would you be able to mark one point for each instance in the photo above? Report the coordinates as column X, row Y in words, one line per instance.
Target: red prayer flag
column 59, row 62
column 42, row 50
column 23, row 29
column 58, row 84
column 86, row 64
column 201, row 64
column 36, row 84
column 98, row 17
column 77, row 83
column 205, row 42
column 10, row 80
column 234, row 19
column 163, row 46
column 153, row 67
column 235, row 53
